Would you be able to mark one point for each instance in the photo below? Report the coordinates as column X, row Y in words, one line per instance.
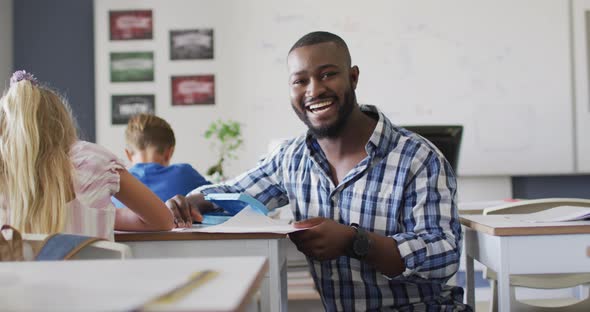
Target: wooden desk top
column 510, row 225
column 172, row 235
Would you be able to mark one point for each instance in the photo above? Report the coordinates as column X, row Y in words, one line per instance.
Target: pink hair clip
column 23, row 75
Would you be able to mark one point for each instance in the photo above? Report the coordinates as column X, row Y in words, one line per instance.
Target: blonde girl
column 52, row 182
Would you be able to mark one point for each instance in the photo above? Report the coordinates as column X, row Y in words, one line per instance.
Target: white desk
column 195, row 244
column 510, row 246
column 124, row 285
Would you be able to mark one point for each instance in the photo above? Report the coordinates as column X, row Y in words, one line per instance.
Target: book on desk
column 556, row 214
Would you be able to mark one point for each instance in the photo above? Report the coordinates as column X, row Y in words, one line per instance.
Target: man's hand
column 324, row 239
column 187, row 209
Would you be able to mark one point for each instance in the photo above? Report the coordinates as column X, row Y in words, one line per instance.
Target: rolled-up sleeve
column 263, row 182
column 430, row 243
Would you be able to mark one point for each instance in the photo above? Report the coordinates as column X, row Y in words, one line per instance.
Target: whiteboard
column 581, row 29
column 500, row 68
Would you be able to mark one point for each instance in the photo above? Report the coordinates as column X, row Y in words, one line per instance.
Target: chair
column 539, row 281
column 98, row 250
column 447, row 138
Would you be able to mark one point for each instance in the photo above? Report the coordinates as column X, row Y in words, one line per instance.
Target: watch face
column 361, row 246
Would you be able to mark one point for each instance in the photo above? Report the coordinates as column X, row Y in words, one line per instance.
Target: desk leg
column 277, row 277
column 469, row 272
column 504, row 277
column 470, row 281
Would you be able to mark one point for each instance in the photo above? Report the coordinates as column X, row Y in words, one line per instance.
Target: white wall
column 422, row 62
column 484, row 188
column 6, row 42
column 513, row 64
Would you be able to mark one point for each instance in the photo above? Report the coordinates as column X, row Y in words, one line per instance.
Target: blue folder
column 229, row 205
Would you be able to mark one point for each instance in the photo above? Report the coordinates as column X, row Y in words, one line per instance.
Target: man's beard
column 332, row 130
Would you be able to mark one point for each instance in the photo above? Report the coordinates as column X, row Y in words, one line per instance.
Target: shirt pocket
column 376, row 212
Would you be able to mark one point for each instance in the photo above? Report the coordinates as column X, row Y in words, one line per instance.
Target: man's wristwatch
column 359, row 246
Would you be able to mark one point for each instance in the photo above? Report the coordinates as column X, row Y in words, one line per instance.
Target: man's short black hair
column 321, row 37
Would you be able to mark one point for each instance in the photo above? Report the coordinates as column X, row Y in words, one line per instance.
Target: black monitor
column 446, row 138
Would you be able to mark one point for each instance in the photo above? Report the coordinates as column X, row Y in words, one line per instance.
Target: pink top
column 96, row 180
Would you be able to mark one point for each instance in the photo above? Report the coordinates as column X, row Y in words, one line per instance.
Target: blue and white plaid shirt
column 403, row 189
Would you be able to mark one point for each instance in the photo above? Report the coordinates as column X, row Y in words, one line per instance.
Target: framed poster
column 124, row 107
column 193, row 90
column 131, row 24
column 132, row 66
column 191, row 44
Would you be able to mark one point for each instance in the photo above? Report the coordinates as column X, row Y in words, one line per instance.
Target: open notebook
column 557, row 214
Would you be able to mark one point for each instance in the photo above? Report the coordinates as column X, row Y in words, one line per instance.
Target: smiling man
column 380, row 201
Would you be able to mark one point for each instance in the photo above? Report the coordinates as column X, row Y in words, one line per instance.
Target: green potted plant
column 226, row 138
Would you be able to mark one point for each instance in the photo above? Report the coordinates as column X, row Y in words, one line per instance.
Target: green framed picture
column 132, row 66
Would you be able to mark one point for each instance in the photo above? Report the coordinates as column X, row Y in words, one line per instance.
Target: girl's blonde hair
column 37, row 131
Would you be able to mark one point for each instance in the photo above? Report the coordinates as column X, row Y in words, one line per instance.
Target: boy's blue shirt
column 166, row 181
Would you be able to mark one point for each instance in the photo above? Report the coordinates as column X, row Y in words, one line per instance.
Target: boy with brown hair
column 150, row 146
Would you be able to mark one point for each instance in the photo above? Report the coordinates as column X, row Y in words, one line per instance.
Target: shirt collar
column 384, row 135
column 380, row 142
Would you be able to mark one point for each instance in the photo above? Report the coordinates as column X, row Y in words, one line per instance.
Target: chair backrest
column 535, row 205
column 105, row 250
column 32, row 243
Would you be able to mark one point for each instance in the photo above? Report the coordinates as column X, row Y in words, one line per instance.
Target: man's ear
column 354, row 76
column 129, row 154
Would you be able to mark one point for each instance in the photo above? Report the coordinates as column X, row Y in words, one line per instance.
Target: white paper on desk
column 556, row 214
column 248, row 221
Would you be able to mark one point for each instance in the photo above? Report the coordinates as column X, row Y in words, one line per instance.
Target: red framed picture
column 193, row 90
column 131, row 24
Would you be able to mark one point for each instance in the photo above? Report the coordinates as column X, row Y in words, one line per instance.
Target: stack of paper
column 558, row 214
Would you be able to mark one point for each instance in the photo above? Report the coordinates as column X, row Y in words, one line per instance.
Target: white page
column 556, row 214
column 247, row 221
column 480, row 205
